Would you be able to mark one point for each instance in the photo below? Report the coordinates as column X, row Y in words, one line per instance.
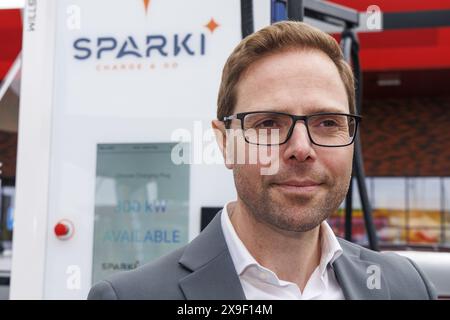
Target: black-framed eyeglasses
column 327, row 129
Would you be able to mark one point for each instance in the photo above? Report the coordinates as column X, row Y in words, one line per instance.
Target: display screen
column 141, row 206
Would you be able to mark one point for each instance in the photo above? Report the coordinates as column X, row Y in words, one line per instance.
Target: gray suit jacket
column 203, row 269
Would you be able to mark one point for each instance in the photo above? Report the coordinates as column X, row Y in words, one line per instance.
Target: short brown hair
column 276, row 38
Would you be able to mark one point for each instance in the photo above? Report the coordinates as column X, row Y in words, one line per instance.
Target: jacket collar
column 213, row 274
column 354, row 274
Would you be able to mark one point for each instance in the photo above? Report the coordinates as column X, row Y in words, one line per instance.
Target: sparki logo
column 149, row 46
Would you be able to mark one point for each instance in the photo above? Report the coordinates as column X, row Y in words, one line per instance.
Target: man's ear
column 221, row 138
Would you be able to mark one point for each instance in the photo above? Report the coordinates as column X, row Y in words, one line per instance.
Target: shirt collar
column 239, row 253
column 242, row 259
column 331, row 249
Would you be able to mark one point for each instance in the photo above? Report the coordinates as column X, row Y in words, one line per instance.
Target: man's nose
column 299, row 145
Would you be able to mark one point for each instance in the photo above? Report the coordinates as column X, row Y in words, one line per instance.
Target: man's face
column 311, row 181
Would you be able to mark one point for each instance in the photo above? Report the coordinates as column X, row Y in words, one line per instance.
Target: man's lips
column 299, row 183
column 298, row 186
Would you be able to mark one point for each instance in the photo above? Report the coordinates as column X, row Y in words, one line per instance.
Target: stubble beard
column 288, row 212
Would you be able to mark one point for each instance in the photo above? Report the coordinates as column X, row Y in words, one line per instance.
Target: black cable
column 358, row 163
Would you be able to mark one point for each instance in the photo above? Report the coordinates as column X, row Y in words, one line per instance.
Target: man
column 288, row 93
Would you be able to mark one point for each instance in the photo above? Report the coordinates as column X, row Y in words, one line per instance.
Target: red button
column 61, row 229
column 64, row 229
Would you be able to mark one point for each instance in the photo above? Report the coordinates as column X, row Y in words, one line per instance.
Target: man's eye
column 267, row 124
column 329, row 123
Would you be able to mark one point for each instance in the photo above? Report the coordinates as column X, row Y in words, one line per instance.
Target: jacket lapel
column 353, row 272
column 213, row 273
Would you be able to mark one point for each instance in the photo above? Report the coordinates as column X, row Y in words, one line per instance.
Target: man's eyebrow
column 311, row 110
column 325, row 110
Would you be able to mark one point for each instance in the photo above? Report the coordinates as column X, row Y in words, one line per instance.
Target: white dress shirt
column 260, row 283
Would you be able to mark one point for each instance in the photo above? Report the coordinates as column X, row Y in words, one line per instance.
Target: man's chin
column 295, row 225
column 297, row 196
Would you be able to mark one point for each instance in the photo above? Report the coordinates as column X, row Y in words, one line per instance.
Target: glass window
column 424, row 211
